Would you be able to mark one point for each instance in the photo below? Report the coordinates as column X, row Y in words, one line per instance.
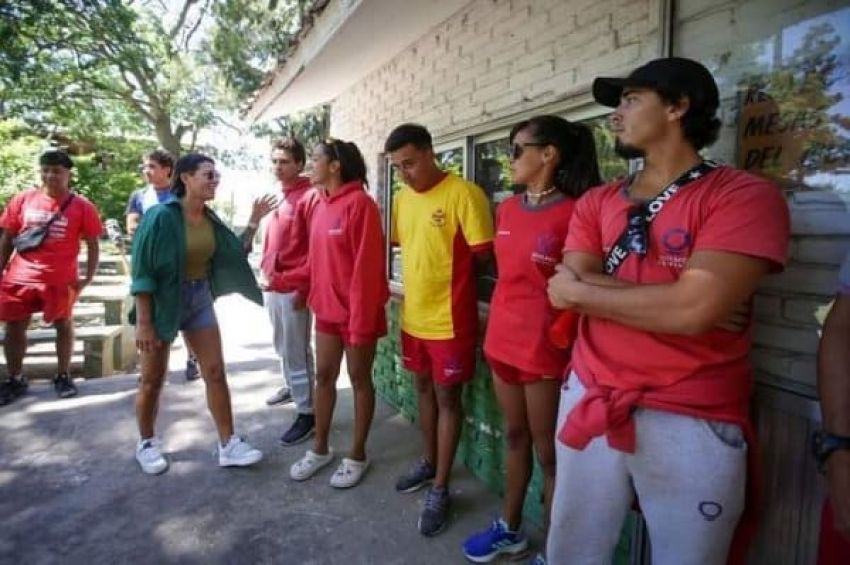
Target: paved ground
column 71, row 492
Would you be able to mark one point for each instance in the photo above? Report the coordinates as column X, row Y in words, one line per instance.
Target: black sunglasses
column 637, row 230
column 517, row 149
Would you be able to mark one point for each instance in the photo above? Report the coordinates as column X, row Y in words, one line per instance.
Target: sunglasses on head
column 517, row 149
column 637, row 230
column 330, row 143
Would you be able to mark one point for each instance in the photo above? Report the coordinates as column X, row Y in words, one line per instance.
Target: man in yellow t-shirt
column 443, row 225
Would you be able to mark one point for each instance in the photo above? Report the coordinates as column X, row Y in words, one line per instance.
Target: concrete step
column 87, row 332
column 84, row 314
column 37, row 368
column 47, row 349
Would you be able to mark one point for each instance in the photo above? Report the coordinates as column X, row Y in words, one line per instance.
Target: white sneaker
column 310, row 464
column 238, row 453
column 150, row 457
column 281, row 396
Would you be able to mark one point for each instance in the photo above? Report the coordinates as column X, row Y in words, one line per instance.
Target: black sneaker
column 417, row 477
column 435, row 515
column 193, row 373
column 12, row 388
column 301, row 430
column 64, row 386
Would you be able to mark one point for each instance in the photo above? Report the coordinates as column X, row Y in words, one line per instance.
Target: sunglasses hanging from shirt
column 32, row 238
column 634, row 239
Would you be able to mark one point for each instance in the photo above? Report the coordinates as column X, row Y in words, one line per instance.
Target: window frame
column 580, row 107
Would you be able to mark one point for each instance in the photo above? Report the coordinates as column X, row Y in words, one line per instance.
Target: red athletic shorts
column 516, row 376
column 341, row 331
column 449, row 361
column 20, row 301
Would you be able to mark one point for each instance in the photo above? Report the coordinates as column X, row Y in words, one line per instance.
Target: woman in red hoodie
column 347, row 293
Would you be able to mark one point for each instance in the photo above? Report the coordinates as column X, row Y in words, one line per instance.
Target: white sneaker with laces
column 238, row 453
column 310, row 464
column 150, row 457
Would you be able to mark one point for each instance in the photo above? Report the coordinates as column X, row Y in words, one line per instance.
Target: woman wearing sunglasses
column 183, row 258
column 555, row 161
column 345, row 275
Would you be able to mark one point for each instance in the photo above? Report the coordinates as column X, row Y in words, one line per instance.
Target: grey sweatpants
column 291, row 335
column 689, row 475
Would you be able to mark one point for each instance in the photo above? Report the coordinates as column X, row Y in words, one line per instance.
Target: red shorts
column 516, row 376
column 341, row 331
column 449, row 361
column 20, row 301
column 833, row 548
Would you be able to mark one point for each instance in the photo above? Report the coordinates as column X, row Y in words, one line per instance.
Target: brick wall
column 493, row 59
column 496, row 58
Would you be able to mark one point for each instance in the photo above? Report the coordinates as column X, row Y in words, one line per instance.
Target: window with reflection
column 785, row 96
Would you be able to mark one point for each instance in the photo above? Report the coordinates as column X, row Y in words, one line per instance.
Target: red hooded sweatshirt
column 345, row 272
column 288, row 233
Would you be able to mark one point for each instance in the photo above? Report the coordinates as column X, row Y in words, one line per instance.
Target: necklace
column 536, row 196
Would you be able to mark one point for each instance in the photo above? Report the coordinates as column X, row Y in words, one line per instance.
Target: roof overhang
column 348, row 40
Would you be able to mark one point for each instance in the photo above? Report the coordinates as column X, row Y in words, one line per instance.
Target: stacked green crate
column 383, row 373
column 482, row 443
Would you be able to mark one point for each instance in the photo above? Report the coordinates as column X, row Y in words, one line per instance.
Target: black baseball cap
column 672, row 74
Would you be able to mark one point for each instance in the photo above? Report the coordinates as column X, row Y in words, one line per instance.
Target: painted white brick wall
column 498, row 57
column 493, row 59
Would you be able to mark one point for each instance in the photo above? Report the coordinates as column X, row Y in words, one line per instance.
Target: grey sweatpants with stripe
column 291, row 331
column 689, row 475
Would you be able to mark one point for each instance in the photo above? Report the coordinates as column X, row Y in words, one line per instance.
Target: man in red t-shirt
column 656, row 404
column 284, row 250
column 45, row 279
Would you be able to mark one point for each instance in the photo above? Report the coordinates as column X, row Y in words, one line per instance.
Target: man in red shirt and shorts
column 45, row 279
column 656, row 404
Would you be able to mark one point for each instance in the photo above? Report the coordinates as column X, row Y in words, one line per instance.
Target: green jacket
column 159, row 259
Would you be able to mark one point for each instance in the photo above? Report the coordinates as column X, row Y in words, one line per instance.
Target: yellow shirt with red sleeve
column 439, row 230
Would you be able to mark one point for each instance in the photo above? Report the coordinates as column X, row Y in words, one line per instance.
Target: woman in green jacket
column 183, row 258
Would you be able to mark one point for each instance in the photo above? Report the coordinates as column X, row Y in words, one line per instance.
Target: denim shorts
column 197, row 311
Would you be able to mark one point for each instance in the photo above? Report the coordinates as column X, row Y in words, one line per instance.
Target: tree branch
column 181, row 19
column 197, row 25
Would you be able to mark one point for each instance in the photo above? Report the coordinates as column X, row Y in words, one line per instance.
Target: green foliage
column 109, row 177
column 309, row 127
column 248, row 38
column 106, row 176
column 100, row 67
column 19, row 150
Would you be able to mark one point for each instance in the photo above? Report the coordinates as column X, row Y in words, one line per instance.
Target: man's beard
column 627, row 151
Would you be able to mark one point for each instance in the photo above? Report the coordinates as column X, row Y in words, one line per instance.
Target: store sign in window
column 794, row 105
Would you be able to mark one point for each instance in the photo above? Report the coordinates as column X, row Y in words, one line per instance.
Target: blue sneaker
column 484, row 546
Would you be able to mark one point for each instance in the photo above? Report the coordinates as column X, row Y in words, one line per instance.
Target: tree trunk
column 166, row 136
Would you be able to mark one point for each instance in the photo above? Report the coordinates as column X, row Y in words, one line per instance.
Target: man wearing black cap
column 41, row 275
column 656, row 404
